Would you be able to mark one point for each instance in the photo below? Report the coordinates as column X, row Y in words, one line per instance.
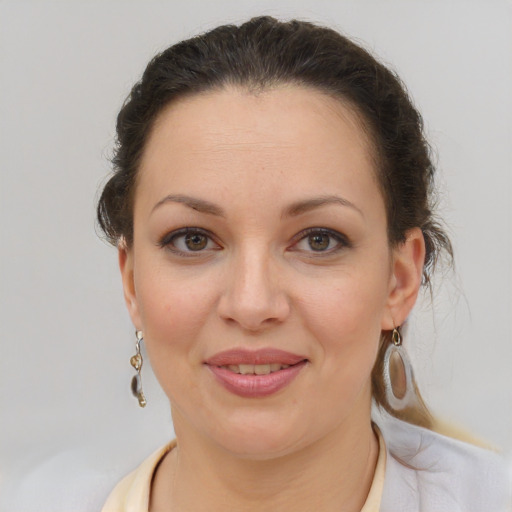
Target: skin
column 262, row 162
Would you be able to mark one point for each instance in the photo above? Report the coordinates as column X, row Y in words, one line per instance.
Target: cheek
column 173, row 312
column 169, row 300
column 345, row 317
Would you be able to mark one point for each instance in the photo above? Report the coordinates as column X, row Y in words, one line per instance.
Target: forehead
column 289, row 137
column 259, row 112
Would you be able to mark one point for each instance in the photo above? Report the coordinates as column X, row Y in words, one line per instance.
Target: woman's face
column 260, row 271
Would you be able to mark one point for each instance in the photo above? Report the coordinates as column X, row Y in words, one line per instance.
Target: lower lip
column 256, row 386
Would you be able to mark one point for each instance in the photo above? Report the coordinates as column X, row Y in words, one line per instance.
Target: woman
column 271, row 205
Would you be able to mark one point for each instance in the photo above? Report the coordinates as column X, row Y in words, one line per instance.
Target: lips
column 262, row 356
column 254, row 374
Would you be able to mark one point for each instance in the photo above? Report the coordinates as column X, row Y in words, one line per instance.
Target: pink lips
column 251, row 385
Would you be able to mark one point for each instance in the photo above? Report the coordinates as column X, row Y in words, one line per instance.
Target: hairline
column 256, row 88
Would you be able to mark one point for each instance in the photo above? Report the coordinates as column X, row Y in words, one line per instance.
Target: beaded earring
column 136, row 361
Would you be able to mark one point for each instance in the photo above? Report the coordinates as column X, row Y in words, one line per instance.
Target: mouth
column 255, row 369
column 244, row 358
column 255, row 374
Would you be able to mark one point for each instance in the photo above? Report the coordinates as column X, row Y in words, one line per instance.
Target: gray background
column 68, row 423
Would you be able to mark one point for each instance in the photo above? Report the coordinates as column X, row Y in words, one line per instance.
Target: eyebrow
column 195, row 203
column 307, row 205
column 295, row 209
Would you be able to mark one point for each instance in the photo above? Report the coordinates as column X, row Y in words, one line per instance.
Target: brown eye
column 187, row 241
column 196, row 241
column 322, row 241
column 319, row 241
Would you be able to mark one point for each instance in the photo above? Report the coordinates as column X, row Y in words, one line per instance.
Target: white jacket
column 428, row 472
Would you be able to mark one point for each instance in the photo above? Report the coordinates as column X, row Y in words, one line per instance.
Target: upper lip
column 262, row 356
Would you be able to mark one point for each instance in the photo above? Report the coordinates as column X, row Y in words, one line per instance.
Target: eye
column 195, row 241
column 189, row 240
column 321, row 240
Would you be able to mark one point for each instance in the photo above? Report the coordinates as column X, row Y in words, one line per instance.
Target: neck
column 335, row 473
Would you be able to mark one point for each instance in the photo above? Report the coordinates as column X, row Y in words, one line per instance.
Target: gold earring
column 136, row 362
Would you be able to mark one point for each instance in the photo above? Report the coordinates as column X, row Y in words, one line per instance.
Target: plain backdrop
column 67, row 417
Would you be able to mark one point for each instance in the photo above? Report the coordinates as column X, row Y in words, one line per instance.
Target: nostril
column 253, row 315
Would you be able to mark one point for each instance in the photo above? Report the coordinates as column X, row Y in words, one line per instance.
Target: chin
column 260, row 438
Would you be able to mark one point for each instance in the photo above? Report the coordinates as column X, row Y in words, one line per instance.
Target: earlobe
column 126, row 266
column 407, row 270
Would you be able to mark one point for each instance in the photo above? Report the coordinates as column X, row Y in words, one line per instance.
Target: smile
column 255, row 369
column 255, row 374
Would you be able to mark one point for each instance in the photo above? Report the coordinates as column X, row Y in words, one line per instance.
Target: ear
column 407, row 270
column 126, row 265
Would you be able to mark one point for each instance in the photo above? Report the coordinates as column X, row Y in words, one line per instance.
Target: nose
column 254, row 297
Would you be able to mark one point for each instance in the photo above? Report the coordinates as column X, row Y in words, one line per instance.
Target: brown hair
column 263, row 53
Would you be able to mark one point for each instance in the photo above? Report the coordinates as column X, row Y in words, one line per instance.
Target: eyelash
column 169, row 241
column 342, row 242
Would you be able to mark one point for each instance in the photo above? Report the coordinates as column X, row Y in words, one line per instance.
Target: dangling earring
column 398, row 380
column 136, row 362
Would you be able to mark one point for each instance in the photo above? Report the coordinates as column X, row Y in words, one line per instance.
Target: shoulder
column 133, row 491
column 433, row 473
